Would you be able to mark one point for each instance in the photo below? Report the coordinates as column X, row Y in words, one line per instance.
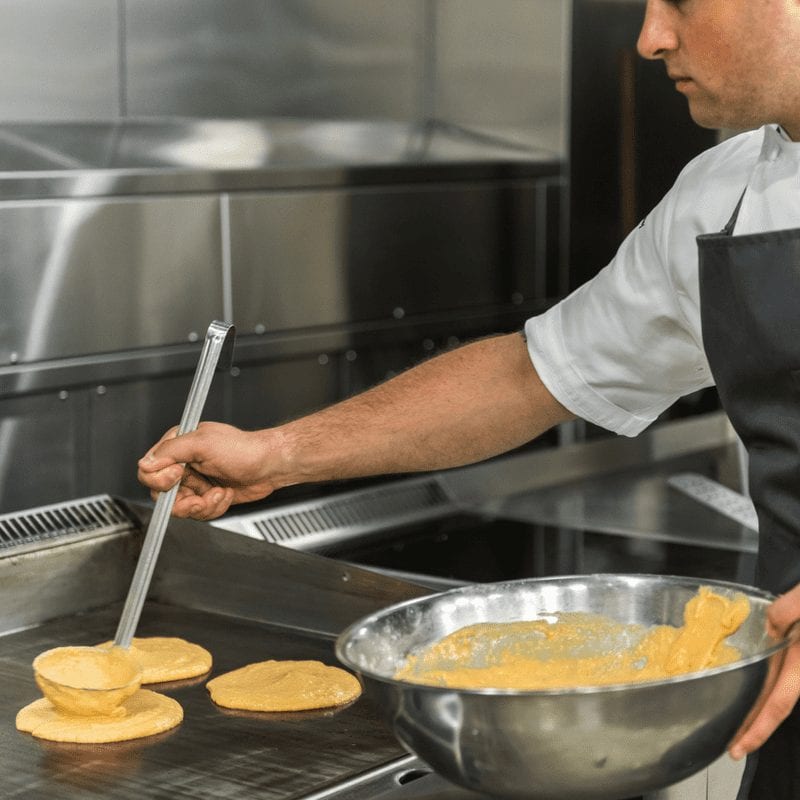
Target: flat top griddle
column 214, row 753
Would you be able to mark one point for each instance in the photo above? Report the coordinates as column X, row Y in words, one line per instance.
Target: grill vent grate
column 342, row 517
column 77, row 518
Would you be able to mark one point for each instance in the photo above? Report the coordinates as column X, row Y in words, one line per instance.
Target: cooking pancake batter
column 168, row 658
column 93, row 696
column 581, row 649
column 284, row 686
column 145, row 714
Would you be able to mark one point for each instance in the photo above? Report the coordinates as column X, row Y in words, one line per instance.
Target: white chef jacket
column 627, row 344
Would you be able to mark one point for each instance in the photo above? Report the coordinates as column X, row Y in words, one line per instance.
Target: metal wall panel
column 127, row 418
column 255, row 58
column 502, row 65
column 60, row 60
column 84, row 276
column 42, row 445
column 273, row 392
column 301, row 259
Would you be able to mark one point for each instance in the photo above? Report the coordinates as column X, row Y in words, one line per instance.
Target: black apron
column 750, row 311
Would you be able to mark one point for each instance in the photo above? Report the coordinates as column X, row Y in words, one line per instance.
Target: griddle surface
column 214, row 753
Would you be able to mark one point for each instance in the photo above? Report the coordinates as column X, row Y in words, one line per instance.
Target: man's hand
column 223, row 465
column 783, row 681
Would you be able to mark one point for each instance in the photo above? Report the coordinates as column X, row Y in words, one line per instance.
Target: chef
column 706, row 290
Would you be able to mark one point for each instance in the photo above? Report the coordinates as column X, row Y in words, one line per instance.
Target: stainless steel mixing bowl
column 578, row 744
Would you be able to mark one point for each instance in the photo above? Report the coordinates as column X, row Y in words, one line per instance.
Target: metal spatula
column 217, row 351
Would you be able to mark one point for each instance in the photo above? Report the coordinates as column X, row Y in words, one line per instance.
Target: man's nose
column 658, row 36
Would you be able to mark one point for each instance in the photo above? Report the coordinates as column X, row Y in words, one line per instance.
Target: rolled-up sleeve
column 626, row 345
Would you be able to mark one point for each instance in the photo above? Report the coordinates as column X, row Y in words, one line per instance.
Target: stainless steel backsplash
column 503, row 63
column 342, row 256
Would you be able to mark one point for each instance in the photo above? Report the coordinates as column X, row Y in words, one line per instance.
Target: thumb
column 169, row 451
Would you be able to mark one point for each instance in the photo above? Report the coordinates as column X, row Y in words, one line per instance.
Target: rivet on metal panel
column 398, row 313
column 351, row 355
column 101, row 390
column 260, row 328
column 193, row 336
column 63, row 394
column 235, row 372
column 13, row 357
column 322, row 359
column 428, row 344
column 517, row 298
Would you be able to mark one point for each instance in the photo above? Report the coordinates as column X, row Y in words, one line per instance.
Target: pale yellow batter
column 168, row 658
column 93, row 696
column 284, row 686
column 580, row 650
column 86, row 680
column 145, row 714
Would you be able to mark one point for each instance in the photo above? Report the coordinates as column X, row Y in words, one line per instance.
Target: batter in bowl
column 579, row 649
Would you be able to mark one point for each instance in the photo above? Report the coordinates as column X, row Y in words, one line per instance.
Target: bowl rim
column 350, row 632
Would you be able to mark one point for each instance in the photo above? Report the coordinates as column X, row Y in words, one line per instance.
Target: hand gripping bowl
column 566, row 744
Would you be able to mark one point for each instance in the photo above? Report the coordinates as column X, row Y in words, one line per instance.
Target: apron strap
column 728, row 229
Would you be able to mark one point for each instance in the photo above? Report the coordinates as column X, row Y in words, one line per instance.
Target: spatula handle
column 219, row 342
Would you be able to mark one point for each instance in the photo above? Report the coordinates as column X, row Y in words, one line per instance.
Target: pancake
column 284, row 686
column 168, row 658
column 146, row 713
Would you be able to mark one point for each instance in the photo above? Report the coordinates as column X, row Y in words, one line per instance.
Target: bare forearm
column 463, row 406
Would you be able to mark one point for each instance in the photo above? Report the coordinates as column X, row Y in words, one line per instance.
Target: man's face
column 736, row 61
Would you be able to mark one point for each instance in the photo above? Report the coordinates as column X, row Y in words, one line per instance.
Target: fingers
column 170, row 449
column 783, row 612
column 214, row 503
column 162, row 480
column 778, row 704
column 162, row 466
column 213, row 464
column 198, row 497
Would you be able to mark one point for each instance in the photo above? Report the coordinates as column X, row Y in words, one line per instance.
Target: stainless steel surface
column 709, row 438
column 595, row 742
column 369, row 297
column 735, row 505
column 380, row 346
column 721, row 781
column 125, row 264
column 76, row 519
column 436, row 248
column 616, row 485
column 317, row 523
column 504, row 61
column 217, row 351
column 422, row 59
column 307, row 58
column 61, row 60
column 213, row 753
column 160, row 156
column 243, row 600
column 637, row 503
